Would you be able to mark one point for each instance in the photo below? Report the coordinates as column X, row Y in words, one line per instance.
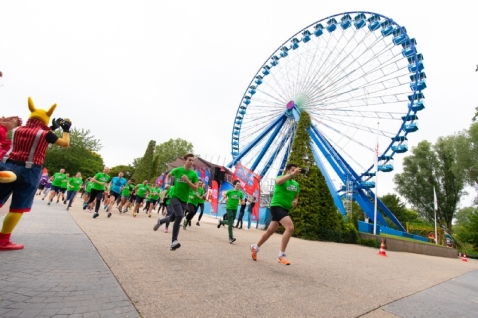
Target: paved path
column 208, row 277
column 59, row 273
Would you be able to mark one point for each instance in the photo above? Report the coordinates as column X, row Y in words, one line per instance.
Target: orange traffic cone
column 381, row 252
column 464, row 258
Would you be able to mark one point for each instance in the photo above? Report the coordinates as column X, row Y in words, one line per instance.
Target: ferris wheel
column 349, row 71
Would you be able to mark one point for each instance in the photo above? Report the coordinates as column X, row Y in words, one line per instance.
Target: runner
column 141, row 191
column 74, row 185
column 125, row 193
column 201, row 204
column 55, row 188
column 250, row 208
column 86, row 195
column 162, row 200
column 185, row 179
column 131, row 200
column 285, row 197
column 43, row 181
column 63, row 188
column 117, row 183
column 193, row 204
column 97, row 190
column 169, row 209
column 233, row 198
column 153, row 196
column 47, row 189
column 241, row 214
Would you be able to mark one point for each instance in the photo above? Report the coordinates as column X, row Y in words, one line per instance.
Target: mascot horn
column 22, row 165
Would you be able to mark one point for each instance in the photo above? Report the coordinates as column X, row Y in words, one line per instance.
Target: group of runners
column 183, row 195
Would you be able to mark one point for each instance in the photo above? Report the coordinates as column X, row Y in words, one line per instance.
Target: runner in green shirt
column 201, row 204
column 285, row 197
column 193, row 204
column 233, row 198
column 74, row 185
column 125, row 193
column 153, row 196
column 64, row 187
column 185, row 179
column 56, row 184
column 100, row 180
column 141, row 191
column 86, row 195
column 168, row 192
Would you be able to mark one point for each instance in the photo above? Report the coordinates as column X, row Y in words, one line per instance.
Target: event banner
column 250, row 183
column 213, row 198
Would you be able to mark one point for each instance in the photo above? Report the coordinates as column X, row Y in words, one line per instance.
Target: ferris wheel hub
column 290, row 105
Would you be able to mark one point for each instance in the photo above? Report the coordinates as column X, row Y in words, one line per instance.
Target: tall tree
column 432, row 166
column 316, row 210
column 168, row 151
column 463, row 229
column 80, row 156
column 466, row 147
column 145, row 170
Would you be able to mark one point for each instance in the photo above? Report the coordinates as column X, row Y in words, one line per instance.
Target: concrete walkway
column 208, row 277
column 59, row 273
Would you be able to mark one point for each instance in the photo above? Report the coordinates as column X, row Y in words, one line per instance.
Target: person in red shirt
column 24, row 163
column 6, row 125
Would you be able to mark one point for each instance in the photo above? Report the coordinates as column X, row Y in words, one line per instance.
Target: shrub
column 367, row 242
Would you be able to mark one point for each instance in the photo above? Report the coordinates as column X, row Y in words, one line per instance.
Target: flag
column 435, row 201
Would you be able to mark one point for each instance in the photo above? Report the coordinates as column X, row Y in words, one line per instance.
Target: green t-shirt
column 127, row 190
column 64, row 183
column 181, row 188
column 154, row 193
column 284, row 194
column 101, row 177
column 201, row 192
column 89, row 184
column 75, row 184
column 168, row 195
column 141, row 190
column 193, row 196
column 57, row 179
column 233, row 198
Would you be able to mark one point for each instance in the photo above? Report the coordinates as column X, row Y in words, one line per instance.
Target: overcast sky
column 133, row 71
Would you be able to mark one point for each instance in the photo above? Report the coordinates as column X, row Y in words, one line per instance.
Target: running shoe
column 158, row 225
column 219, row 225
column 109, row 214
column 57, row 201
column 166, row 230
column 105, row 207
column 67, row 208
column 43, row 198
column 232, row 240
column 283, row 260
column 134, row 214
column 149, row 215
column 85, row 205
column 125, row 210
column 254, row 251
column 175, row 245
column 95, row 215
column 49, row 203
column 64, row 201
column 197, row 223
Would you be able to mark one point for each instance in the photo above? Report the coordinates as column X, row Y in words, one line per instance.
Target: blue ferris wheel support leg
column 368, row 207
column 268, row 143
column 253, row 143
column 275, row 153
column 389, row 213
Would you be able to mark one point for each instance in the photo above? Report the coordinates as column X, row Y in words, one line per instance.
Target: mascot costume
column 22, row 166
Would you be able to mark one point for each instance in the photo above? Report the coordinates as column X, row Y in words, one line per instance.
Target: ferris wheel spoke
column 338, row 132
column 368, row 129
column 359, row 113
column 321, row 79
column 335, row 86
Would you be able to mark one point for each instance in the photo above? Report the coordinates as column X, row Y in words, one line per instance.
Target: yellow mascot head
column 40, row 114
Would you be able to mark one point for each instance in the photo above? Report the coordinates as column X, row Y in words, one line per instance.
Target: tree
column 168, row 152
column 399, row 209
column 467, row 225
column 466, row 148
column 145, row 170
column 316, row 210
column 127, row 170
column 432, row 167
column 80, row 156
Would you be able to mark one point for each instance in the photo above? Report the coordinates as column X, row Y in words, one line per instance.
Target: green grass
column 407, row 239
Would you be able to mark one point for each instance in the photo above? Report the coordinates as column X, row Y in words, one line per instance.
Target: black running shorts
column 278, row 213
